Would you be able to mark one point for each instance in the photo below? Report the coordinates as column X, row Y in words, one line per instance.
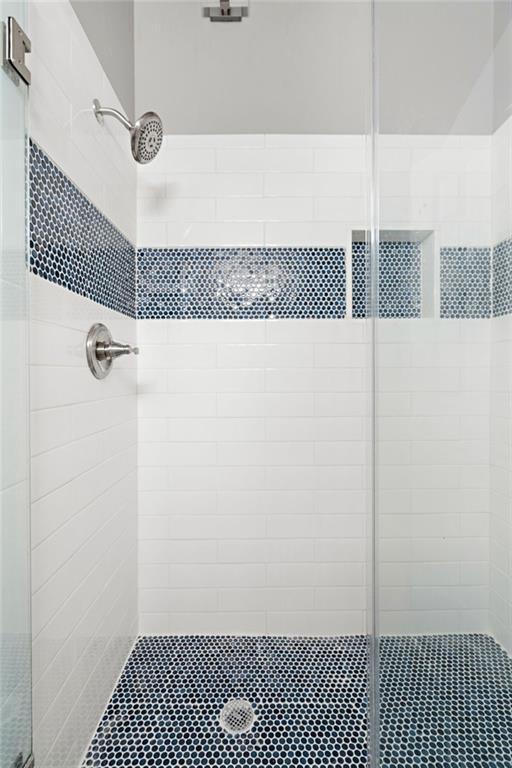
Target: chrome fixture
column 16, row 45
column 225, row 11
column 146, row 133
column 102, row 350
column 237, row 716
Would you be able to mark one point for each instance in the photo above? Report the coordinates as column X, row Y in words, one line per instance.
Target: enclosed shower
column 255, row 384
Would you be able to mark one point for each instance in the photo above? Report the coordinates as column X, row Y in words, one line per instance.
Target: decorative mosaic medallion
column 238, row 283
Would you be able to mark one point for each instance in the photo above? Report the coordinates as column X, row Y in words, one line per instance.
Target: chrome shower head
column 146, row 133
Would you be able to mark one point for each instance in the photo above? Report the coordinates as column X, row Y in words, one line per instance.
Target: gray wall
column 109, row 26
column 435, row 67
column 502, row 61
column 290, row 67
column 304, row 67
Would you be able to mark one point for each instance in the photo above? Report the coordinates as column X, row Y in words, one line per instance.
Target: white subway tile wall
column 285, row 404
column 500, row 481
column 501, row 198
column 83, row 521
column 84, row 527
column 253, row 474
column 68, row 76
column 312, row 190
column 500, row 408
column 433, row 475
column 262, row 478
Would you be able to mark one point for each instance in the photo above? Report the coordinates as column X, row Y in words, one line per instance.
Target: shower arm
column 100, row 112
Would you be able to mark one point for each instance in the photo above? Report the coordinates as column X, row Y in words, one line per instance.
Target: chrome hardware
column 100, row 112
column 225, row 12
column 146, row 133
column 17, row 44
column 102, row 350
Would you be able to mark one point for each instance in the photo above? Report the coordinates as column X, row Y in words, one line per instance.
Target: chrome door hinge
column 17, row 44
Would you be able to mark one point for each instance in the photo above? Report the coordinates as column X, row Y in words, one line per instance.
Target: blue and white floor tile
column 446, row 701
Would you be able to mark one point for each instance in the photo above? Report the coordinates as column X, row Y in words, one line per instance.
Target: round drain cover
column 237, row 716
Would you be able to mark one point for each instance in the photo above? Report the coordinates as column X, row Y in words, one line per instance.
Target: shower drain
column 237, row 716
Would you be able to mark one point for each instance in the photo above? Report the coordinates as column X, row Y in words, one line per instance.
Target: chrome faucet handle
column 102, row 350
column 109, row 351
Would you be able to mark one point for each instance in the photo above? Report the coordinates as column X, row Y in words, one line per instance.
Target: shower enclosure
column 280, row 536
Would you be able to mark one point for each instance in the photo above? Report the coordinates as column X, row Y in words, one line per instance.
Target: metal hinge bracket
column 17, row 44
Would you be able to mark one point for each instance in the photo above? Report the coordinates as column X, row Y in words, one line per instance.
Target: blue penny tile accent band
column 399, row 279
column 73, row 244
column 250, row 283
column 502, row 278
column 465, row 279
column 445, row 702
column 361, row 294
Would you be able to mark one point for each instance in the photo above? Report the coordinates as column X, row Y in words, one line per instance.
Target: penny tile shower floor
column 446, row 702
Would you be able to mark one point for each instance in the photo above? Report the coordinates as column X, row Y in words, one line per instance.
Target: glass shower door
column 15, row 642
column 442, row 304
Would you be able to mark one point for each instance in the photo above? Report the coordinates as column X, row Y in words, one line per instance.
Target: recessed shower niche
column 407, row 274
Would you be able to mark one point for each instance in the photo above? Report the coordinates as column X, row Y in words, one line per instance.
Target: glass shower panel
column 15, row 642
column 442, row 349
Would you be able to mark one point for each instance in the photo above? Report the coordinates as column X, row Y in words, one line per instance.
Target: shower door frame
column 15, row 597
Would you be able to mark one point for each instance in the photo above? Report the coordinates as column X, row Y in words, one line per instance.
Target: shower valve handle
column 113, row 349
column 102, row 350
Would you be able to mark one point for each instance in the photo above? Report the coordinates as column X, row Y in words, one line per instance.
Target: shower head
column 146, row 133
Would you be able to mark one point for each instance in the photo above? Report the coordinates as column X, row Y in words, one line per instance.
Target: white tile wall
column 433, row 475
column 253, row 190
column 84, row 529
column 437, row 182
column 501, row 414
column 253, row 462
column 312, row 190
column 501, row 182
column 253, row 473
column 66, row 77
column 433, row 376
column 501, row 481
column 83, row 521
